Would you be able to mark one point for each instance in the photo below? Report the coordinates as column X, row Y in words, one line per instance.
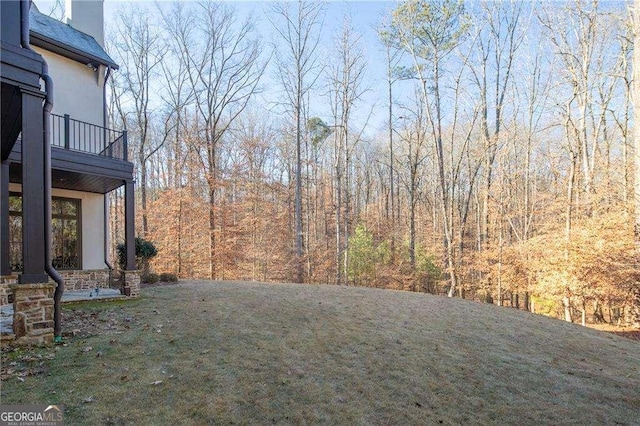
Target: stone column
column 33, row 313
column 131, row 283
column 5, row 287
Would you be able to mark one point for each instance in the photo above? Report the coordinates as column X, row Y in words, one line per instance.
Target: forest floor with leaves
column 201, row 352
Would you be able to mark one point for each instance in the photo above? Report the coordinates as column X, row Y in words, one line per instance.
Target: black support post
column 129, row 225
column 67, row 125
column 5, row 267
column 33, row 238
column 125, row 146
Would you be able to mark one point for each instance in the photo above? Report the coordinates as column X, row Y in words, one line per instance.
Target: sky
column 365, row 17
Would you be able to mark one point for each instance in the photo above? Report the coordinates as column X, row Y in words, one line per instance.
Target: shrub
column 145, row 251
column 168, row 278
column 151, row 278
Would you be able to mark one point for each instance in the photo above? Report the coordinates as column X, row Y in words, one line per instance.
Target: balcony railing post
column 108, row 143
column 125, row 146
column 67, row 125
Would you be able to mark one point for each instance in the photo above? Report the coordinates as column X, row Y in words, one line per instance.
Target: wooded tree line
column 503, row 173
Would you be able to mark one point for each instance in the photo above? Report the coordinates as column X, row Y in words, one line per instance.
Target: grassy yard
column 244, row 353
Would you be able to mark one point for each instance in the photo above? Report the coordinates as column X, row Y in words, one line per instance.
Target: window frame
column 78, row 218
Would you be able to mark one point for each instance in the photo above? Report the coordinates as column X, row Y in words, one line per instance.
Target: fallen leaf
column 88, row 400
column 87, row 349
column 156, row 383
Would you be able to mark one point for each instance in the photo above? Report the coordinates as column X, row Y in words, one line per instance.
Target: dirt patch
column 628, row 332
column 79, row 322
column 633, row 335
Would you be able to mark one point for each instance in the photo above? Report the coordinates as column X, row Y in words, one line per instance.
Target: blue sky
column 364, row 15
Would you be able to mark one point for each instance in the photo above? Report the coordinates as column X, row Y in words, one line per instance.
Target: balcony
column 75, row 135
column 84, row 156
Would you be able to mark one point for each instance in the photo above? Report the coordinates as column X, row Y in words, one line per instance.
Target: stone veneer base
column 85, row 279
column 33, row 313
column 131, row 283
column 5, row 290
column 73, row 281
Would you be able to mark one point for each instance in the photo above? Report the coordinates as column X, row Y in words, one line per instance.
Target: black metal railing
column 75, row 135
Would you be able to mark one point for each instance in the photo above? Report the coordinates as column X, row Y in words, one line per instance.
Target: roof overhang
column 67, row 51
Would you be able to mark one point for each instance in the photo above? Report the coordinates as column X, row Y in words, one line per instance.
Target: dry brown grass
column 296, row 354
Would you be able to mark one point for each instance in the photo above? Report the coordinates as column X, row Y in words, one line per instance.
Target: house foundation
column 33, row 313
column 85, row 279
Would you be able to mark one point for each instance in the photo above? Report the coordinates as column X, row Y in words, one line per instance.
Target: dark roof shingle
column 66, row 37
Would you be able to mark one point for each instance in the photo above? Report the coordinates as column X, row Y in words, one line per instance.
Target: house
column 60, row 159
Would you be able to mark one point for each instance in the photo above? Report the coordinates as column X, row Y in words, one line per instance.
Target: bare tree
column 413, row 154
column 137, row 47
column 392, row 59
column 298, row 27
column 497, row 41
column 221, row 58
column 429, row 32
column 636, row 153
column 346, row 88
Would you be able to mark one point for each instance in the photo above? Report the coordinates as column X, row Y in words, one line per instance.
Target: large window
column 65, row 233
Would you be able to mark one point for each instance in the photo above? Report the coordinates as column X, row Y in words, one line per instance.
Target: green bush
column 145, row 251
column 168, row 278
column 365, row 255
column 152, row 278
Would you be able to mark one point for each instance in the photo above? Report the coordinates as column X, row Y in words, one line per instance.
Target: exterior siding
column 82, row 82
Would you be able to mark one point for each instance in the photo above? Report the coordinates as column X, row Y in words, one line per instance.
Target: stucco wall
column 92, row 218
column 77, row 90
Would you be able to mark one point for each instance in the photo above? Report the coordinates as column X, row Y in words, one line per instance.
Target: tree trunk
column 636, row 157
column 212, row 233
column 566, row 303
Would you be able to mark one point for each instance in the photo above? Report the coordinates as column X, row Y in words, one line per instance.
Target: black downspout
column 57, row 296
column 106, row 234
column 104, row 99
column 25, row 5
column 106, row 200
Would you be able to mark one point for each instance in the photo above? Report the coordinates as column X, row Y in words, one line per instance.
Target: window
column 65, row 233
column 15, row 232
